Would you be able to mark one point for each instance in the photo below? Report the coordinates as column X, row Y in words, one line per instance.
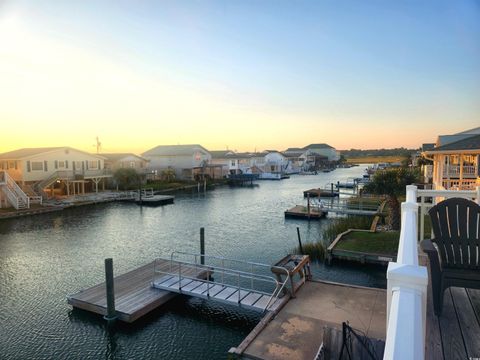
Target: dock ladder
column 241, row 283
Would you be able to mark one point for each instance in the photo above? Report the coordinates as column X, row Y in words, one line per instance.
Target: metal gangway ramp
column 241, row 283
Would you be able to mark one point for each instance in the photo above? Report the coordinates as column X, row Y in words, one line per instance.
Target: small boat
column 346, row 185
column 155, row 200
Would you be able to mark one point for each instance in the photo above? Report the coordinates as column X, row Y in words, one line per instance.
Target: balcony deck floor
column 456, row 333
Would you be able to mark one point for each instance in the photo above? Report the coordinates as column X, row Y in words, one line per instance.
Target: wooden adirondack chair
column 455, row 258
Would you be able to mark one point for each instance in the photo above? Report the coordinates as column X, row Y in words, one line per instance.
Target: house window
column 93, row 165
column 37, row 165
column 132, row 164
column 61, row 164
column 78, row 165
column 12, row 164
column 233, row 162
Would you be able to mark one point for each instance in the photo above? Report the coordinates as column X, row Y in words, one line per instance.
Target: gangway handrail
column 229, row 259
column 226, row 270
column 279, row 285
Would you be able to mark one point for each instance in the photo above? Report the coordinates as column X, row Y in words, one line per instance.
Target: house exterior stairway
column 12, row 192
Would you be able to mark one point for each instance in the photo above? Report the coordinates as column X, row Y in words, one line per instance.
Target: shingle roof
column 470, row 143
column 26, row 152
column 171, row 150
column 428, row 146
column 119, row 156
column 220, row 154
column 318, row 146
column 293, row 154
column 474, row 131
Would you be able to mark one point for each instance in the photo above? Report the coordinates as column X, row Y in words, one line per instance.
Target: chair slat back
column 456, row 227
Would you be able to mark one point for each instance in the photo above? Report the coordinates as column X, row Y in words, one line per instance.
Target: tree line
column 377, row 152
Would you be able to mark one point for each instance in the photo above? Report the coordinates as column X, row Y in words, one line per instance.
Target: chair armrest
column 433, row 256
column 427, row 246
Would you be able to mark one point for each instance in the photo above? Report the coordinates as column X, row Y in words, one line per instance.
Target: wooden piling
column 202, row 246
column 111, row 313
column 299, row 241
column 308, row 205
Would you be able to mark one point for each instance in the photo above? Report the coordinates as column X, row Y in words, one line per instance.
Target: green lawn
column 378, row 243
column 368, row 201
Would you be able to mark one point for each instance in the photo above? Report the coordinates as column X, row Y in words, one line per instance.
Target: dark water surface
column 46, row 257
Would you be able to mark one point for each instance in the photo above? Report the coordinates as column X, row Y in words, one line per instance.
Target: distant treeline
column 354, row 153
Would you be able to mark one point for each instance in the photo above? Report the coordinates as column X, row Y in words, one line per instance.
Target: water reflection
column 46, row 257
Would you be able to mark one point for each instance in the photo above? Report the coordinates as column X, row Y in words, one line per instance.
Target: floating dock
column 134, row 294
column 304, row 212
column 320, row 193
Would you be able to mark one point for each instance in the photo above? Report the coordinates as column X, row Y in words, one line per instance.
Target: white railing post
column 478, row 195
column 407, row 290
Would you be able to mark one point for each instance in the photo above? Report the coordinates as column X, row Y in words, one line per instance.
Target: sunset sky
column 243, row 74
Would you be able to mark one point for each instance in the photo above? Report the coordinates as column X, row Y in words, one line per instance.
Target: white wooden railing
column 428, row 198
column 454, row 170
column 13, row 192
column 407, row 290
column 407, row 281
column 457, row 184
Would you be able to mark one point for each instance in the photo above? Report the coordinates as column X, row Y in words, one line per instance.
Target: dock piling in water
column 202, row 246
column 111, row 313
column 299, row 241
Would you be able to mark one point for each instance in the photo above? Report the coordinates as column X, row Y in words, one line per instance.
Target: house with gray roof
column 324, row 150
column 456, row 162
column 49, row 171
column 115, row 161
column 189, row 162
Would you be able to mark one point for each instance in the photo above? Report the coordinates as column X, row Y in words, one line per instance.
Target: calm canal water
column 46, row 257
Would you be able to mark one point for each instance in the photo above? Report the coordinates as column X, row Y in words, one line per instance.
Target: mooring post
column 331, row 188
column 111, row 313
column 308, row 205
column 299, row 241
column 204, row 185
column 202, row 246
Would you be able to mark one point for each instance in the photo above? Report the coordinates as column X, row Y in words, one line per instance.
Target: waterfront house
column 227, row 159
column 323, row 150
column 115, row 161
column 296, row 159
column 275, row 162
column 456, row 160
column 51, row 171
column 189, row 162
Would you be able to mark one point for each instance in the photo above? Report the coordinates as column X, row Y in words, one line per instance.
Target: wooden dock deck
column 134, row 294
column 313, row 193
column 301, row 212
